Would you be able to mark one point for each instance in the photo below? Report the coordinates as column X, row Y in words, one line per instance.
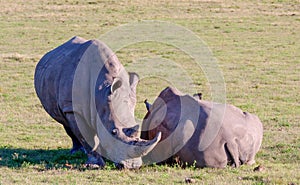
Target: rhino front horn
column 143, row 147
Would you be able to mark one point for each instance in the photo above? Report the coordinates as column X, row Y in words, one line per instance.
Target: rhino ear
column 133, row 81
column 117, row 83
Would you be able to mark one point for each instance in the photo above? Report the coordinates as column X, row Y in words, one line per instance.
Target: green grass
column 257, row 47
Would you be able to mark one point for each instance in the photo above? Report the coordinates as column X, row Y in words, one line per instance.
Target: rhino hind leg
column 233, row 152
column 250, row 158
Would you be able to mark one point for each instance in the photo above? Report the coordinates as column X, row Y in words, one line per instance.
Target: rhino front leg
column 94, row 158
column 76, row 144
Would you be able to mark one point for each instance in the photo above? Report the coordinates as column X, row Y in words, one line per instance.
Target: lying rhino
column 83, row 86
column 200, row 133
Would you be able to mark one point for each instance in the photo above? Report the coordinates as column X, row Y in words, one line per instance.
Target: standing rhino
column 200, row 133
column 83, row 86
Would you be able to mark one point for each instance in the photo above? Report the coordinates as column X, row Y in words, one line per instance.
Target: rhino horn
column 143, row 147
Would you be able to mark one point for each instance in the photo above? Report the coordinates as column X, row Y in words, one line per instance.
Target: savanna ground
column 257, row 47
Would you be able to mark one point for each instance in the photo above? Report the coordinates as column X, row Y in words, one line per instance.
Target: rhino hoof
column 94, row 161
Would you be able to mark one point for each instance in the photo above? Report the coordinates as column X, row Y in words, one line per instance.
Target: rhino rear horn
column 148, row 105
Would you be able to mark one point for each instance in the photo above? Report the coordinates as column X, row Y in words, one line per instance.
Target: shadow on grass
column 42, row 159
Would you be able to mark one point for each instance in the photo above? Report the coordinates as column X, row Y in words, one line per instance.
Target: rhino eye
column 114, row 131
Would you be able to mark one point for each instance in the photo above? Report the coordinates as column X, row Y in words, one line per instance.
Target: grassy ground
column 257, row 47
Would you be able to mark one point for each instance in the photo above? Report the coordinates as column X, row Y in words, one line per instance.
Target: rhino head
column 121, row 142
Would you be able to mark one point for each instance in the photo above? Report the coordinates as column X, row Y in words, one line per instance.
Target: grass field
column 257, row 47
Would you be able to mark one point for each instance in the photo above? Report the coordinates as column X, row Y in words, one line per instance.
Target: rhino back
column 54, row 77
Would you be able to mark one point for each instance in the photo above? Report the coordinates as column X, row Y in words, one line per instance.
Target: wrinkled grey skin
column 107, row 126
column 237, row 141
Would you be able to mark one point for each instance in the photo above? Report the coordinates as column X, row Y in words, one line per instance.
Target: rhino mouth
column 130, row 164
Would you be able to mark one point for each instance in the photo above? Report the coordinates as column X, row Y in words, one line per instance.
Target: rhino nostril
column 131, row 132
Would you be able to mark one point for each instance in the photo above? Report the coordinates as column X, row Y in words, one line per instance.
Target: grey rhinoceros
column 83, row 86
column 201, row 133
